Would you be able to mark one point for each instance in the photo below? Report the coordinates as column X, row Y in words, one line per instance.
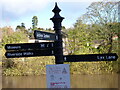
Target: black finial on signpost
column 57, row 19
column 56, row 9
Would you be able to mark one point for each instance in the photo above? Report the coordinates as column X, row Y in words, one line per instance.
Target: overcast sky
column 14, row 12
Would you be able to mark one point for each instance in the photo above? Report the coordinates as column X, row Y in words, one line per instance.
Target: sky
column 15, row 12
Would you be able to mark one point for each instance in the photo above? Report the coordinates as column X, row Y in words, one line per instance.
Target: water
column 77, row 81
column 0, row 76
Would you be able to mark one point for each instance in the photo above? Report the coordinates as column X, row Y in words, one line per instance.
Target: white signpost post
column 58, row 76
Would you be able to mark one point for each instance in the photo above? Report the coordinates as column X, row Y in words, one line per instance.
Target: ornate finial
column 56, row 19
column 56, row 9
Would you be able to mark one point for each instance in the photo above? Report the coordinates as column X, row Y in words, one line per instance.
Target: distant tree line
column 94, row 32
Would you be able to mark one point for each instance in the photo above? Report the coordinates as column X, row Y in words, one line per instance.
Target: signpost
column 91, row 57
column 45, row 35
column 57, row 19
column 58, row 75
column 30, row 46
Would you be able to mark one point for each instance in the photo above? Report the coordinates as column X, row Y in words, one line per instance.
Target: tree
column 102, row 12
column 102, row 17
column 97, row 27
column 106, row 15
column 23, row 25
column 16, row 37
column 79, row 38
column 63, row 28
column 9, row 36
column 34, row 22
column 22, row 28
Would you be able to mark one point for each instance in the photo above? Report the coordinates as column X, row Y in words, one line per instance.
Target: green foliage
column 102, row 12
column 9, row 36
column 22, row 28
column 34, row 22
column 79, row 40
column 16, row 37
column 94, row 33
column 97, row 36
column 26, row 66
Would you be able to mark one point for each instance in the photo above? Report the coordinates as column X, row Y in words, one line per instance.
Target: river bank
column 77, row 81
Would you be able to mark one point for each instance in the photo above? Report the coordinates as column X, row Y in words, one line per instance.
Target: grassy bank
column 37, row 66
column 26, row 66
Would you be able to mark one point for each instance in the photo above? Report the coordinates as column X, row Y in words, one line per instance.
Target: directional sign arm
column 16, row 54
column 45, row 35
column 30, row 46
column 91, row 57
